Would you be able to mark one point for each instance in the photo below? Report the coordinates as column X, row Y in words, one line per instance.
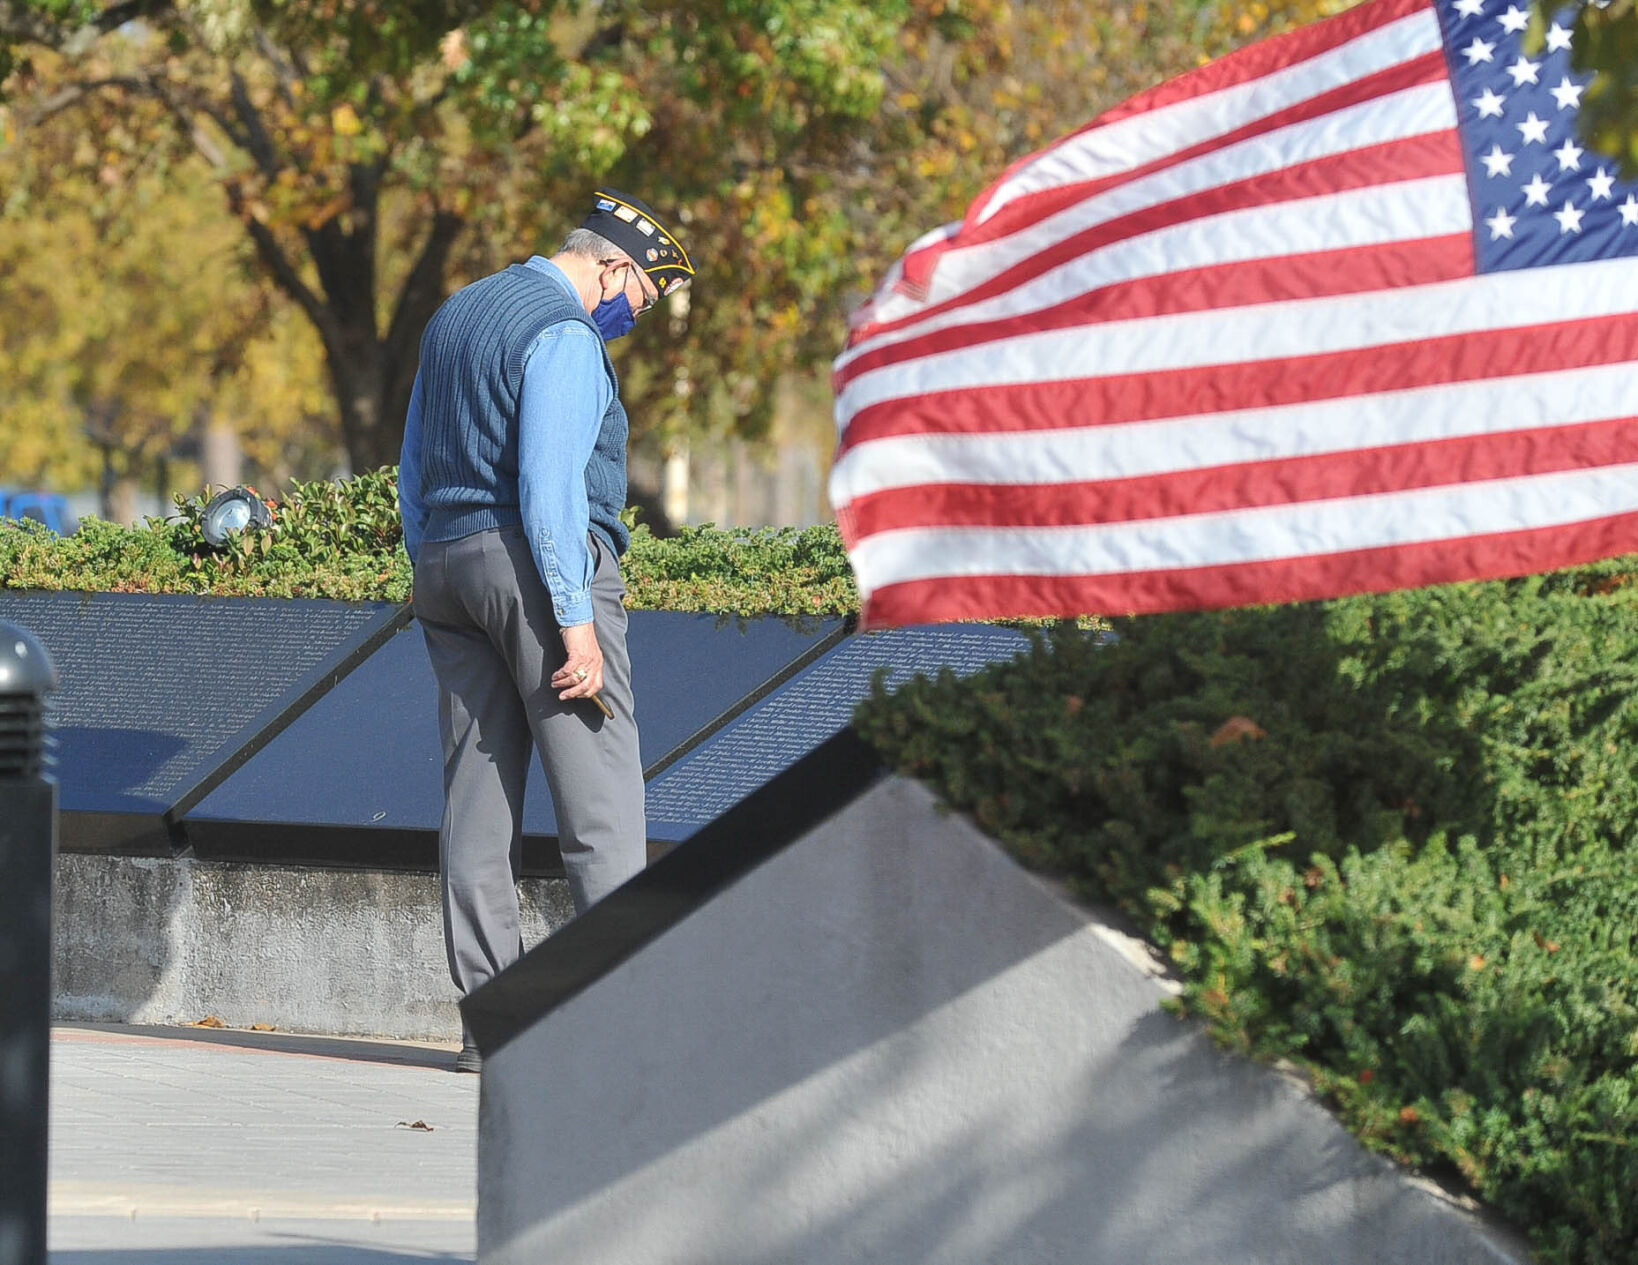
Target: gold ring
column 580, row 674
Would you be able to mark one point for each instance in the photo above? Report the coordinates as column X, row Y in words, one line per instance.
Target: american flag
column 1349, row 310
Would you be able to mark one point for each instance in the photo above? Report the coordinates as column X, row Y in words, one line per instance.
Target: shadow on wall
column 1206, row 1178
column 105, row 910
column 108, row 770
column 111, row 930
column 890, row 1044
column 740, row 1012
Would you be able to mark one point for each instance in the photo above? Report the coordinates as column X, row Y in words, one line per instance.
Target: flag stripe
column 1269, row 481
column 1273, row 331
column 1287, row 580
column 1118, row 144
column 1564, row 397
column 1263, row 534
column 1166, row 244
column 1055, row 406
column 1420, row 71
column 970, row 273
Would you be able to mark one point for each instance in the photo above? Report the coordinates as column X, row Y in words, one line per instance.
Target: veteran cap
column 632, row 226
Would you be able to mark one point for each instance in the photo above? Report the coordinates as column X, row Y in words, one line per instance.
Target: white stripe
column 1423, row 110
column 1410, row 210
column 1566, row 397
column 1266, row 331
column 1140, row 139
column 1310, row 529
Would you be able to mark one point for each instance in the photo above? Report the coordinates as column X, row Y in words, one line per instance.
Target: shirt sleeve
column 410, row 507
column 566, row 391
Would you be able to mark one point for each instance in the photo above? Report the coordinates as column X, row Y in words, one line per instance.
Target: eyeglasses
column 649, row 300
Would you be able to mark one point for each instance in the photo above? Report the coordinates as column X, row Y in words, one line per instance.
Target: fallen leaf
column 210, row 1021
column 1542, row 942
column 262, row 1027
column 420, row 1126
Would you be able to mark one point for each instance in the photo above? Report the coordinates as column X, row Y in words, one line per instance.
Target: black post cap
column 26, row 677
column 25, row 665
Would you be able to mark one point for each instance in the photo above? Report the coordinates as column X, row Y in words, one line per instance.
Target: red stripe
column 1265, row 57
column 1250, row 485
column 1255, row 61
column 1464, row 357
column 1415, row 158
column 1282, row 278
column 1244, row 66
column 1030, row 208
column 1256, row 583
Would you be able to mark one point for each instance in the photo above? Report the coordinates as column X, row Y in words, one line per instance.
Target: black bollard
column 28, row 849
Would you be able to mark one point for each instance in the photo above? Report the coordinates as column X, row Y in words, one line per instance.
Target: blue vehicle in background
column 48, row 508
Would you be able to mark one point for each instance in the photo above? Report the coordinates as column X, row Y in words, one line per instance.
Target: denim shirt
column 565, row 394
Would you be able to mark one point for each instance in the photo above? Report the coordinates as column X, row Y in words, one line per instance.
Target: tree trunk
column 373, row 376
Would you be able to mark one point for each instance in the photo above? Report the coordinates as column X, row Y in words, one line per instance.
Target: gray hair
column 591, row 245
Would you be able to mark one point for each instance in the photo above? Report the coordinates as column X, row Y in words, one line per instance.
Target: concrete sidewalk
column 183, row 1146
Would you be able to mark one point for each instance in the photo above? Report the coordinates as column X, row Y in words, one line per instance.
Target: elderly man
column 511, row 484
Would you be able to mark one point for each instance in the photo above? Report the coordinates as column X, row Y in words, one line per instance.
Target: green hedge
column 1386, row 838
column 344, row 540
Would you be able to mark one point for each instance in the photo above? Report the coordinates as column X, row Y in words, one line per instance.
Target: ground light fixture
column 231, row 511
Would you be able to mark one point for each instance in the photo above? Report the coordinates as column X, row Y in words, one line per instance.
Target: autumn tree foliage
column 372, row 155
column 133, row 321
column 374, row 152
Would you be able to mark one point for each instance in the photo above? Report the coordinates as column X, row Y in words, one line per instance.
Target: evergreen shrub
column 344, row 540
column 1388, row 839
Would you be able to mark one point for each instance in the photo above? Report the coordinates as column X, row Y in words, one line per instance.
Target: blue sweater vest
column 472, row 359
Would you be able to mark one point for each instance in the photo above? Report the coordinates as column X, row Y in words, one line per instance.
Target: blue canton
column 1540, row 194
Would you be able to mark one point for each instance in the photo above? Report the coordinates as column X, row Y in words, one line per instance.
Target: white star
column 1524, row 71
column 1535, row 193
column 1489, row 105
column 1533, row 130
column 1470, row 8
column 1568, row 95
column 1629, row 210
column 1558, row 39
column 1602, row 185
column 1501, row 224
column 1569, row 156
column 1569, row 219
column 1514, row 20
column 1497, row 163
column 1478, row 51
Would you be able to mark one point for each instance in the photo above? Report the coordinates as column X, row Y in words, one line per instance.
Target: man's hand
column 582, row 675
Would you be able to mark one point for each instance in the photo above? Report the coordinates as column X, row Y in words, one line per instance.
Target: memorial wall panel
column 794, row 719
column 358, row 779
column 161, row 697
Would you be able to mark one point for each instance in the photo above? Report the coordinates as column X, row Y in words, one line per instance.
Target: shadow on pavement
column 301, row 1251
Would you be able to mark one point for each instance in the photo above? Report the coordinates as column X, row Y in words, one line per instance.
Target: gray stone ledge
column 344, row 952
column 889, row 1043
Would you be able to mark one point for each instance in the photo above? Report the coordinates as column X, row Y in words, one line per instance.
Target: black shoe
column 469, row 1060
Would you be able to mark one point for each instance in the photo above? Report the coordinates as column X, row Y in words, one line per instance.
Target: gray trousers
column 494, row 644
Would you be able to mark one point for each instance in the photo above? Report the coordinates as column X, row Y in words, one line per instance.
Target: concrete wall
column 140, row 940
column 890, row 1044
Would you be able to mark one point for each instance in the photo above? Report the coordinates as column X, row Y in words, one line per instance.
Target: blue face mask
column 614, row 317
